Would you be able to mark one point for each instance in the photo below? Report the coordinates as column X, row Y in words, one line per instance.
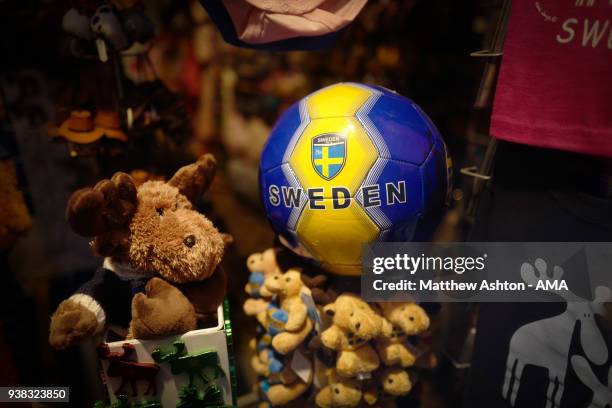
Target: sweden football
column 351, row 164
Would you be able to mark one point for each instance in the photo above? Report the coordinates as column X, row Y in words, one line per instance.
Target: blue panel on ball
column 400, row 181
column 280, row 136
column 435, row 133
column 407, row 135
column 274, row 177
column 435, row 178
column 402, row 232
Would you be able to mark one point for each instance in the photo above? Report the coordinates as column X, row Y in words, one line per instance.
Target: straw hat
column 79, row 128
column 109, row 123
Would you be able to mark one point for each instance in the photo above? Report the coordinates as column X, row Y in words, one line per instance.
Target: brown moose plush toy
column 161, row 268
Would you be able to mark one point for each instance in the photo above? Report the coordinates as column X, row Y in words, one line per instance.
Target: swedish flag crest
column 328, row 154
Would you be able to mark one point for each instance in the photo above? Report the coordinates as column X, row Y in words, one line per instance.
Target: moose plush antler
column 152, row 231
column 108, row 205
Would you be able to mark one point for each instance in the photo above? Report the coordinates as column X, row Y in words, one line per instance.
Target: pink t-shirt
column 555, row 84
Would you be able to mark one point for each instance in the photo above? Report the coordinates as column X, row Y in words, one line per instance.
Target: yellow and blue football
column 351, row 164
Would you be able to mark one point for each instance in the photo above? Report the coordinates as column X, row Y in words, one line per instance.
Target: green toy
column 212, row 396
column 193, row 364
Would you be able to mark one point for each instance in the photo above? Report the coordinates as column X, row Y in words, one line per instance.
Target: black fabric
column 537, row 195
column 114, row 294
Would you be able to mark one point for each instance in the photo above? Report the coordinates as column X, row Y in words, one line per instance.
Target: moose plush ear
column 194, row 179
column 109, row 205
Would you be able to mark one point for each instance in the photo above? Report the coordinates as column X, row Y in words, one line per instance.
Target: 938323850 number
column 34, row 394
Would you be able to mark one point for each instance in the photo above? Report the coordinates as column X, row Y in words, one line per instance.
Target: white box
column 168, row 385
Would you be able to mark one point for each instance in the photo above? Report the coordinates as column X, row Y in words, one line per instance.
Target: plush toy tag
column 313, row 312
column 102, row 52
column 301, row 366
column 320, row 379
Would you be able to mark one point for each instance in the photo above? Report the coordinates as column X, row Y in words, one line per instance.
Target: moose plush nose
column 189, row 241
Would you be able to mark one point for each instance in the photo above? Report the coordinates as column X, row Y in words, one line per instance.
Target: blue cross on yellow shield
column 328, row 154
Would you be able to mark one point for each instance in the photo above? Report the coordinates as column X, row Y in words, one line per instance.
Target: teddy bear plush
column 353, row 324
column 401, row 319
column 260, row 265
column 281, row 385
column 269, row 364
column 395, row 381
column 339, row 391
column 385, row 385
column 289, row 323
column 282, row 394
column 156, row 245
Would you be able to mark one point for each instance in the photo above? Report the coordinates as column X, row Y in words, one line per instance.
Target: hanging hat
column 109, row 123
column 79, row 128
column 282, row 25
column 295, row 7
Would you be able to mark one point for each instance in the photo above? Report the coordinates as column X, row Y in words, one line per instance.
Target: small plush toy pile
column 160, row 274
column 353, row 353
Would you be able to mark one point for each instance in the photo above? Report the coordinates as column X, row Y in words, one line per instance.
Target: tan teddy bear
column 280, row 384
column 395, row 381
column 354, row 324
column 271, row 365
column 402, row 319
column 385, row 385
column 260, row 265
column 339, row 392
column 282, row 394
column 289, row 323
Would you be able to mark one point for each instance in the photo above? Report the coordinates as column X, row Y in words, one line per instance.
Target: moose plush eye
column 189, row 241
column 160, row 211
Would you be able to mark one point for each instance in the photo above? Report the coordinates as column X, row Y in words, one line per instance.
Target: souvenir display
column 252, row 204
column 370, row 351
column 151, row 285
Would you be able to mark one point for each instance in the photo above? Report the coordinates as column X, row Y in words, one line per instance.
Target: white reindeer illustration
column 546, row 343
column 602, row 394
